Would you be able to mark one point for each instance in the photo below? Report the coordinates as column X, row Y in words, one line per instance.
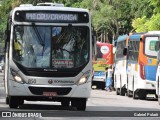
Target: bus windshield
column 51, row 46
column 150, row 43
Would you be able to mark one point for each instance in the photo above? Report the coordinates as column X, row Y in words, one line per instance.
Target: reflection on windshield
column 51, row 47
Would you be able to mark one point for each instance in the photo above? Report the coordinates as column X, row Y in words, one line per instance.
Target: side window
column 120, row 47
column 150, row 43
column 133, row 50
column 17, row 44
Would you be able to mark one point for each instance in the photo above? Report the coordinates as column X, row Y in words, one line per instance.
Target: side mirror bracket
column 157, row 46
column 125, row 50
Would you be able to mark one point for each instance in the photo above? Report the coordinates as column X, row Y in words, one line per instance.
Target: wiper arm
column 39, row 37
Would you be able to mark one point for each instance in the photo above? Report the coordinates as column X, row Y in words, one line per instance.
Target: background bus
column 158, row 75
column 104, row 58
column 48, row 55
column 120, row 75
column 141, row 65
column 158, row 68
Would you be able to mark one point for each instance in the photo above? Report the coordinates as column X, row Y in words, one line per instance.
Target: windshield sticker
column 152, row 45
column 62, row 63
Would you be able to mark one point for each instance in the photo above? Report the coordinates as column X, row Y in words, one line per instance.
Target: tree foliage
column 148, row 22
column 109, row 17
column 139, row 24
column 156, row 4
column 153, row 23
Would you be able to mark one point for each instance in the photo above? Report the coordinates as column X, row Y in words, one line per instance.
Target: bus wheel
column 7, row 100
column 65, row 103
column 156, row 96
column 13, row 102
column 122, row 92
column 159, row 100
column 118, row 91
column 142, row 96
column 80, row 104
column 135, row 95
column 129, row 93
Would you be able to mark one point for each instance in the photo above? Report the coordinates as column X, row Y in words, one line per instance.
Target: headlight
column 16, row 76
column 84, row 78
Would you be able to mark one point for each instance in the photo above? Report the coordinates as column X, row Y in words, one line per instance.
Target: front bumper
column 76, row 91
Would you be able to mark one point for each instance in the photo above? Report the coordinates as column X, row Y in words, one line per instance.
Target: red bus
column 104, row 58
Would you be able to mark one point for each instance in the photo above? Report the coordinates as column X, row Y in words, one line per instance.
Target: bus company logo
column 104, row 49
column 6, row 114
column 50, row 81
column 64, row 81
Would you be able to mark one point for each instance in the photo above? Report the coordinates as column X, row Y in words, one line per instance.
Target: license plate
column 49, row 93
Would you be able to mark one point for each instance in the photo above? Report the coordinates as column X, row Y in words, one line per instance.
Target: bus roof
column 48, row 8
column 153, row 32
column 136, row 36
column 122, row 38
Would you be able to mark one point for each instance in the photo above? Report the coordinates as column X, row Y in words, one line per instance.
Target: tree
column 150, row 22
column 156, row 4
column 139, row 24
column 140, row 8
column 5, row 9
column 111, row 17
column 153, row 23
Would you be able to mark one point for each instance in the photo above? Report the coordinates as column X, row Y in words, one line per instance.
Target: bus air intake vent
column 40, row 90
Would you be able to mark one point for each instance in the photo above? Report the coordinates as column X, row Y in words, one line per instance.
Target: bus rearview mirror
column 158, row 56
column 157, row 46
column 125, row 51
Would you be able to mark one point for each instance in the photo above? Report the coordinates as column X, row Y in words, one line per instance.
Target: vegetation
column 110, row 18
column 149, row 20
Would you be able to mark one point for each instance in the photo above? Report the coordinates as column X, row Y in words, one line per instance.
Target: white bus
column 157, row 47
column 48, row 55
column 120, row 73
column 141, row 64
column 158, row 76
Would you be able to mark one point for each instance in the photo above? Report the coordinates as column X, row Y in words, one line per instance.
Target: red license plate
column 49, row 93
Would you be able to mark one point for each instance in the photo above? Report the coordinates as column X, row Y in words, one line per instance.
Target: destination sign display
column 52, row 17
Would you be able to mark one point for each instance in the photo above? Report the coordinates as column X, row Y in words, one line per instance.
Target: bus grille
column 40, row 90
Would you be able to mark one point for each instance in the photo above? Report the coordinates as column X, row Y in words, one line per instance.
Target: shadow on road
column 88, row 108
column 45, row 107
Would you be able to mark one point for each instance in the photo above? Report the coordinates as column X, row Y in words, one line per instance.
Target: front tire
column 135, row 95
column 159, row 100
column 129, row 93
column 118, row 91
column 123, row 91
column 79, row 103
column 142, row 95
column 7, row 100
column 13, row 102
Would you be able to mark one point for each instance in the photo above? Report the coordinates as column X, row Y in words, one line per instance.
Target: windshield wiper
column 39, row 37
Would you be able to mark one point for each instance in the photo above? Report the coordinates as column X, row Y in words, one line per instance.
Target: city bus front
column 49, row 57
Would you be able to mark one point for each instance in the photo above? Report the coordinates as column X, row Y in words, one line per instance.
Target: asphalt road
column 101, row 105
